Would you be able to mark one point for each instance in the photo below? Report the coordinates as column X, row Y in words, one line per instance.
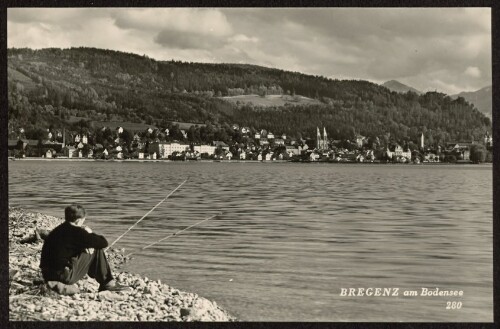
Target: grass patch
column 271, row 100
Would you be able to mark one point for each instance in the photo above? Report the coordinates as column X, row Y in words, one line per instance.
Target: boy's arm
column 88, row 250
column 92, row 240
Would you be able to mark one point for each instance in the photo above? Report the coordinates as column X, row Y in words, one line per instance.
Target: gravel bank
column 31, row 299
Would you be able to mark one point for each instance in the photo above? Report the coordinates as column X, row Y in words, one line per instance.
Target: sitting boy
column 71, row 250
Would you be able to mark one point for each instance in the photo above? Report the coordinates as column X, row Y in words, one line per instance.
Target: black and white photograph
column 250, row 164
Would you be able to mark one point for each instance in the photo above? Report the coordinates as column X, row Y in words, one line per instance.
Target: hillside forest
column 83, row 88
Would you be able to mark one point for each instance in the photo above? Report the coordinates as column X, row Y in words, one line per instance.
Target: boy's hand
column 86, row 228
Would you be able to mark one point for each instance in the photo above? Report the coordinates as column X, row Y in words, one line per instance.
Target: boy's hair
column 74, row 212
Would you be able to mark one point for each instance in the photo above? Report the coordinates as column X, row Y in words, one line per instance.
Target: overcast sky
column 447, row 49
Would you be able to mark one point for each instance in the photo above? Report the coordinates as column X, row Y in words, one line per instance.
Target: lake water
column 291, row 235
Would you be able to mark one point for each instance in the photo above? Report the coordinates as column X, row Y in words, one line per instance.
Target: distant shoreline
column 240, row 161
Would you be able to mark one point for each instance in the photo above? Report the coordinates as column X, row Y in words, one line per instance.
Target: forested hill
column 54, row 87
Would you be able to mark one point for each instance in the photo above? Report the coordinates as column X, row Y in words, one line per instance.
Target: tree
column 478, row 153
column 127, row 136
column 451, row 158
column 489, row 157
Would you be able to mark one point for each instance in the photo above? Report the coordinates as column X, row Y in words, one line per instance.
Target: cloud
column 473, row 71
column 243, row 38
column 188, row 40
column 189, row 20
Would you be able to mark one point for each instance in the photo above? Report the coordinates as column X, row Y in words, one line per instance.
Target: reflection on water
column 291, row 235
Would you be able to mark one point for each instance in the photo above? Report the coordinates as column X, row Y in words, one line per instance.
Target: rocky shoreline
column 30, row 299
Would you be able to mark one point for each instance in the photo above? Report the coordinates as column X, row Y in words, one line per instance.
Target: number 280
column 453, row 305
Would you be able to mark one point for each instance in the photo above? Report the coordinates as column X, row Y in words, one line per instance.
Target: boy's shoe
column 113, row 286
column 63, row 289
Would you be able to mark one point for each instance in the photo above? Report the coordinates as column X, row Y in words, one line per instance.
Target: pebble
column 155, row 300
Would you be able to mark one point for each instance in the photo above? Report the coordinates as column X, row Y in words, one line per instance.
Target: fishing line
column 159, row 203
column 176, row 233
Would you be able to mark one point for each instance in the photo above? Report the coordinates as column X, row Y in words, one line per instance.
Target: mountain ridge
column 399, row 87
column 481, row 98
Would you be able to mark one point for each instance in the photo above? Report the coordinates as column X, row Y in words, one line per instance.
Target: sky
column 443, row 49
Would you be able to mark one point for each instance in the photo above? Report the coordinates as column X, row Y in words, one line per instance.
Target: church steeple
column 318, row 138
column 321, row 142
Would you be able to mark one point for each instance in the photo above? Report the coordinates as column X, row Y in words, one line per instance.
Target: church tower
column 325, row 139
column 318, row 139
column 422, row 140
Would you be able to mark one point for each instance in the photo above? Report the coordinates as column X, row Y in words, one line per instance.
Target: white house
column 406, row 154
column 210, row 149
column 164, row 150
column 119, row 155
column 360, row 140
column 292, row 150
column 264, row 141
column 389, row 153
column 69, row 151
column 314, row 156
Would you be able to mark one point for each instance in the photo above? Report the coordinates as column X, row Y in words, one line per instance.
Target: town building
column 70, row 152
column 221, row 144
column 488, row 140
column 209, row 149
column 264, row 141
column 164, row 150
column 461, row 150
column 360, row 140
column 279, row 141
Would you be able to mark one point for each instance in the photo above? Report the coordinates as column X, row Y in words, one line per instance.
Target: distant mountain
column 399, row 87
column 482, row 99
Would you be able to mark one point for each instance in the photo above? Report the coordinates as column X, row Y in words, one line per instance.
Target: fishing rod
column 176, row 233
column 159, row 203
